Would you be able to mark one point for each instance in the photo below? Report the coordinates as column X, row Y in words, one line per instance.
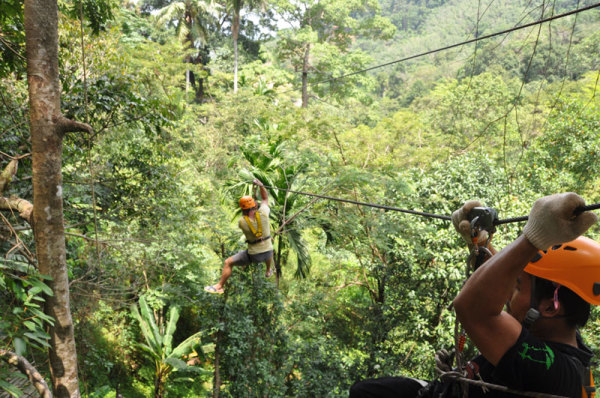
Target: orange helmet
column 574, row 264
column 247, row 202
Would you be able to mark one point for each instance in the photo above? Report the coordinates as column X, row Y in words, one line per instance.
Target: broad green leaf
column 171, row 326
column 20, row 346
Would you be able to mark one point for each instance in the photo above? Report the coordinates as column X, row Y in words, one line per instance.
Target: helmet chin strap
column 533, row 314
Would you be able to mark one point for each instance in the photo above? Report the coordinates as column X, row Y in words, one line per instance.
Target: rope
column 420, row 213
column 456, row 376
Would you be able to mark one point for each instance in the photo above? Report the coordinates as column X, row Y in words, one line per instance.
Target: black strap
column 587, row 381
column 586, row 376
column 258, row 240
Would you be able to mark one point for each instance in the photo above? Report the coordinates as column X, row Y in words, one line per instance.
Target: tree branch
column 28, row 370
column 7, row 174
column 24, row 207
column 65, row 125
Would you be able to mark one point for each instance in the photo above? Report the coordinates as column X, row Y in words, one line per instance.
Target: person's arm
column 263, row 192
column 479, row 304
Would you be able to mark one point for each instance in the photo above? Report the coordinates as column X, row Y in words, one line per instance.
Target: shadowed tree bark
column 48, row 127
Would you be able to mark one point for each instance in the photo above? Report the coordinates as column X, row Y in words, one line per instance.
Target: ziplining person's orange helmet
column 574, row 264
column 247, row 202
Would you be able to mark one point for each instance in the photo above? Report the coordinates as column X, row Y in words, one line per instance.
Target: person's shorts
column 243, row 258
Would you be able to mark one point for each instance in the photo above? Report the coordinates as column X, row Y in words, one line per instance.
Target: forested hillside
column 180, row 105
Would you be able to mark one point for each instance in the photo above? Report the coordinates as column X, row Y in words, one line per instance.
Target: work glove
column 443, row 361
column 463, row 225
column 552, row 220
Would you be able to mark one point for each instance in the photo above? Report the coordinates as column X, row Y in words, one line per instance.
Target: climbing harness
column 588, row 386
column 257, row 233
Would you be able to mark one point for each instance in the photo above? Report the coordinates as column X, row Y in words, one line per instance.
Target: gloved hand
column 463, row 225
column 443, row 361
column 552, row 220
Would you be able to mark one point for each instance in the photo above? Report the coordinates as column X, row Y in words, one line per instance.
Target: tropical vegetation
column 183, row 103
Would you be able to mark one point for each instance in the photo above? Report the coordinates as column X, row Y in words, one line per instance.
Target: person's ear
column 549, row 308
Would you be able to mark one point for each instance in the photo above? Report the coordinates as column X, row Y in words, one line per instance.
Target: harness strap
column 256, row 233
column 259, row 240
column 589, row 389
column 532, row 314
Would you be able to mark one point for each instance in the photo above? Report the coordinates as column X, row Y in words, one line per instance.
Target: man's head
column 576, row 310
column 247, row 203
column 569, row 275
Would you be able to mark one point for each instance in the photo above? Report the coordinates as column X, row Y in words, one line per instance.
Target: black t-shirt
column 535, row 365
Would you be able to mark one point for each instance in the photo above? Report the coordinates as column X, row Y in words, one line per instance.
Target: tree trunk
column 235, row 30
column 305, row 76
column 48, row 127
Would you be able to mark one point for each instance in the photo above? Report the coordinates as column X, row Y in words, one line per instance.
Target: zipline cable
column 525, row 218
column 419, row 213
column 576, row 11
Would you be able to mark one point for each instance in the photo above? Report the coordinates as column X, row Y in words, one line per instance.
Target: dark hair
column 577, row 310
column 245, row 212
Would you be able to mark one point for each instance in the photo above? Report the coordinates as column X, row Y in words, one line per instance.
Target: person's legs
column 270, row 270
column 396, row 387
column 225, row 274
column 240, row 258
column 265, row 257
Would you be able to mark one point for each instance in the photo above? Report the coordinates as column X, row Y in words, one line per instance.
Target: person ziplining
column 254, row 223
column 547, row 279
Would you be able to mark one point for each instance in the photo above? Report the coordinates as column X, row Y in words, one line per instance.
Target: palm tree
column 190, row 19
column 159, row 345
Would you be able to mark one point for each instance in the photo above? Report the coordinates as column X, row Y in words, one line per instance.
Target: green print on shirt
column 535, row 354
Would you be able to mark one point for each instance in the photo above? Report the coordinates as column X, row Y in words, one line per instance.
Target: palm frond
column 153, row 345
column 299, row 246
column 171, row 326
column 148, row 317
column 199, row 35
column 173, row 13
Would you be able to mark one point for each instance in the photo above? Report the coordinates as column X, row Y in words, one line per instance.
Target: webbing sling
column 256, row 233
column 588, row 387
column 588, row 390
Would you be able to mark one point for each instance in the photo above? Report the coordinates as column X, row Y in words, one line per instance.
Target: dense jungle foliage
column 190, row 100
